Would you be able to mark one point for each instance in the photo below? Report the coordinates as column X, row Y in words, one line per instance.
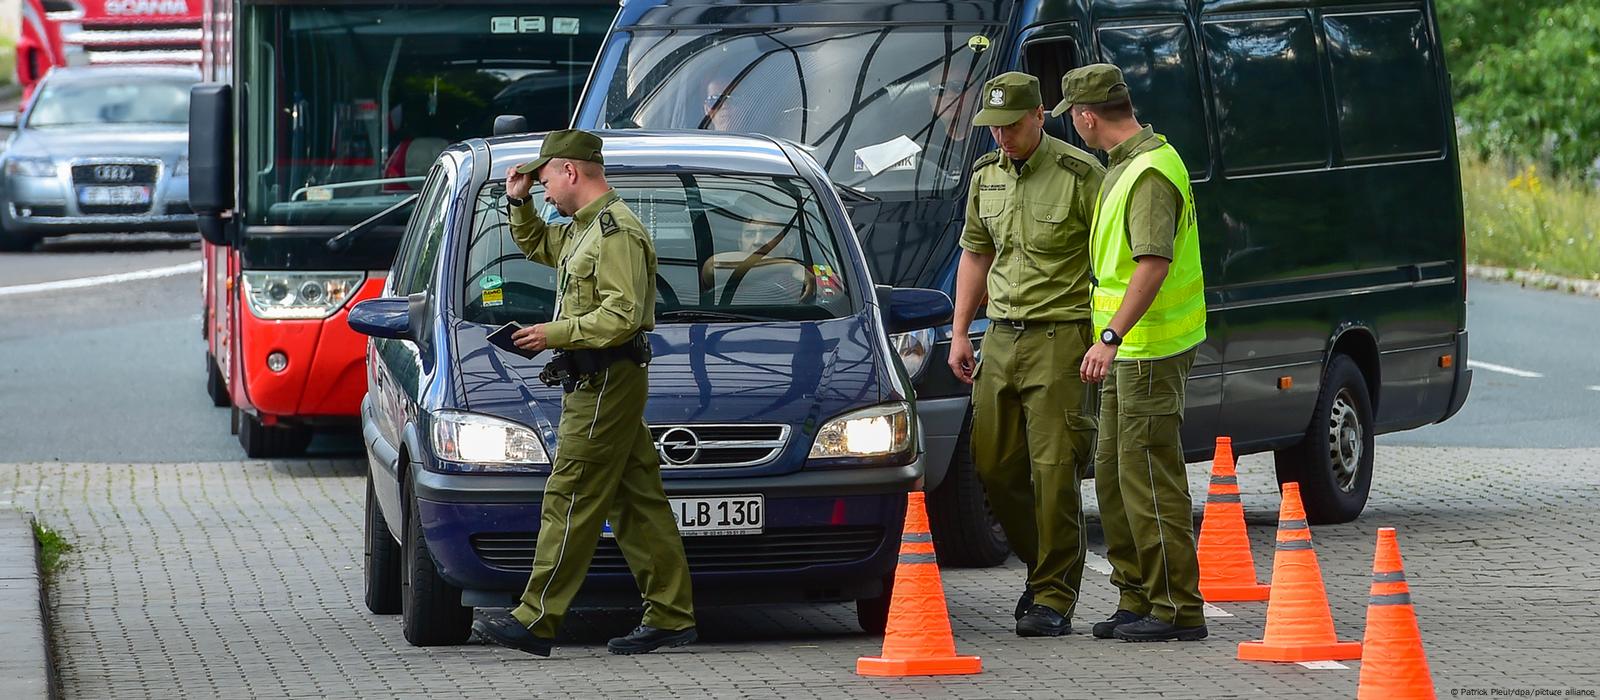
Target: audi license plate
column 716, row 515
column 114, row 195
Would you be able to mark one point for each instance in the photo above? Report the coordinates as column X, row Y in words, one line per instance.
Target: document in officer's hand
column 501, row 338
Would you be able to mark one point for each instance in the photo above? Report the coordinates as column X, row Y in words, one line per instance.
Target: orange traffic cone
column 1392, row 662
column 1299, row 623
column 918, row 641
column 1227, row 570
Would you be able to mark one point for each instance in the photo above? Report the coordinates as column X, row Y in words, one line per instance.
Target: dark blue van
column 786, row 425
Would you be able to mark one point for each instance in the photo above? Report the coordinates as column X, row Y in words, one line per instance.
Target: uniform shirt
column 605, row 272
column 1154, row 202
column 1035, row 221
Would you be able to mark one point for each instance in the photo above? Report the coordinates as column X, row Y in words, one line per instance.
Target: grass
column 1517, row 218
column 8, row 61
column 52, row 549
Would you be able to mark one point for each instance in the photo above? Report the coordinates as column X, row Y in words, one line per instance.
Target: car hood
column 100, row 141
column 795, row 373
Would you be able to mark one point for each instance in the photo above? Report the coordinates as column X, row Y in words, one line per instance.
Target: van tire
column 263, row 442
column 431, row 612
column 216, row 386
column 873, row 613
column 965, row 533
column 1334, row 462
column 382, row 559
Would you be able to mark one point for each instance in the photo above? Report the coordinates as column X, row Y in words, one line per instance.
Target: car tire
column 1333, row 464
column 873, row 613
column 965, row 532
column 383, row 558
column 264, row 442
column 16, row 242
column 216, row 386
column 431, row 611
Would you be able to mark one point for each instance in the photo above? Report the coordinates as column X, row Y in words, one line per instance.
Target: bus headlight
column 479, row 439
column 878, row 431
column 913, row 349
column 280, row 295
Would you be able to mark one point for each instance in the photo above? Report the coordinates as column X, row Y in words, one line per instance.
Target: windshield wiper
column 692, row 315
column 854, row 193
column 343, row 241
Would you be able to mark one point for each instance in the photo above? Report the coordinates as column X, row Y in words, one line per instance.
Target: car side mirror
column 506, row 124
column 211, row 158
column 384, row 317
column 9, row 119
column 909, row 309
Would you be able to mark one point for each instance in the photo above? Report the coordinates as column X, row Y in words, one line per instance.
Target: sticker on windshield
column 978, row 43
column 827, row 283
column 564, row 25
column 491, row 282
column 494, row 297
column 899, row 153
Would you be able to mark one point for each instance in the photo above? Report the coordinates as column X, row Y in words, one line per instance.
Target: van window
column 1268, row 90
column 424, row 232
column 1049, row 60
column 1158, row 63
column 1386, row 92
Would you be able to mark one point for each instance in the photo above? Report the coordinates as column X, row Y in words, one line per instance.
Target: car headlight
column 31, row 167
column 879, row 431
column 283, row 295
column 182, row 168
column 479, row 439
column 913, row 349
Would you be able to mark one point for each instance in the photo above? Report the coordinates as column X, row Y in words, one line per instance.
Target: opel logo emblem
column 679, row 446
column 997, row 97
column 113, row 173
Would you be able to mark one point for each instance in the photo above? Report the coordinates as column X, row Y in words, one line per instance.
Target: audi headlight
column 31, row 167
column 479, row 439
column 283, row 295
column 182, row 168
column 879, row 431
column 913, row 349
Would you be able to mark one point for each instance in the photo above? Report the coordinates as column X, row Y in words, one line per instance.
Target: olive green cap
column 573, row 144
column 1008, row 97
column 1090, row 85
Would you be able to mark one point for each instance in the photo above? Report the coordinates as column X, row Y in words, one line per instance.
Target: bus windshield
column 349, row 104
column 885, row 109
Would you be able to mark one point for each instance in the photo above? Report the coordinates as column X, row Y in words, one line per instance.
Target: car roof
column 686, row 150
column 122, row 72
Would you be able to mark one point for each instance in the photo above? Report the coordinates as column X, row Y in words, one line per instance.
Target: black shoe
column 645, row 639
column 503, row 629
column 1102, row 630
column 1149, row 629
column 1042, row 621
column 1023, row 603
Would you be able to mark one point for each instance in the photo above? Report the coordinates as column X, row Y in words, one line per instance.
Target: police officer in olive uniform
column 1150, row 312
column 1026, row 241
column 606, row 466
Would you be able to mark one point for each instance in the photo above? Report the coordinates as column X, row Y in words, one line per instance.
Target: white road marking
column 153, row 273
column 1595, row 388
column 1525, row 374
column 1094, row 562
column 1214, row 611
column 1324, row 665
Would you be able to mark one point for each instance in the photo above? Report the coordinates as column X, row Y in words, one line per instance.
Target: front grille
column 114, row 174
column 51, row 211
column 776, row 550
column 697, row 446
column 114, row 209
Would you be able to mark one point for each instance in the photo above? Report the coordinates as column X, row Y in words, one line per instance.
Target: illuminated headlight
column 480, row 439
column 31, row 167
column 281, row 295
column 879, row 431
column 913, row 349
column 182, row 168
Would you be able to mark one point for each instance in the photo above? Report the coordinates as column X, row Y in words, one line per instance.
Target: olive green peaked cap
column 1090, row 85
column 573, row 144
column 1006, row 98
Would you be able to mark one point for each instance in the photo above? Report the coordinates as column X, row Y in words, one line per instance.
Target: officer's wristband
column 516, row 202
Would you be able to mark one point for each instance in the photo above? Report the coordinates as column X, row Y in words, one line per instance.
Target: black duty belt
column 570, row 367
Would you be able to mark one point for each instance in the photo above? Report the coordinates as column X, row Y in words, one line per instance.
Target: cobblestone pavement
column 244, row 579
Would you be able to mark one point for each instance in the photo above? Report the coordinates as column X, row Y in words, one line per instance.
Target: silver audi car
column 99, row 149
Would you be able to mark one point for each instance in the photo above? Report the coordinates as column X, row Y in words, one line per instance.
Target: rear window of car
column 748, row 247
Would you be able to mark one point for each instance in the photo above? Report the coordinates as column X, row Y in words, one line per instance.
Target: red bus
column 80, row 32
column 308, row 141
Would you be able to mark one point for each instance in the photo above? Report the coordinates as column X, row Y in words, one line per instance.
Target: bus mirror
column 213, row 229
column 506, row 124
column 386, row 317
column 210, row 150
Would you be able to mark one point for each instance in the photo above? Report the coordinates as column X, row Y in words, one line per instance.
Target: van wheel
column 873, row 613
column 1334, row 462
column 262, row 442
column 430, row 608
column 965, row 533
column 216, row 386
column 382, row 560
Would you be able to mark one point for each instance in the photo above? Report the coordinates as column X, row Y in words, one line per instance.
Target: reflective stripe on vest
column 1176, row 320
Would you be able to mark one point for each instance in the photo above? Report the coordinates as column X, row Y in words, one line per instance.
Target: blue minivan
column 784, row 418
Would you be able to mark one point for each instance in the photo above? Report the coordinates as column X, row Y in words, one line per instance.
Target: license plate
column 716, row 515
column 113, row 195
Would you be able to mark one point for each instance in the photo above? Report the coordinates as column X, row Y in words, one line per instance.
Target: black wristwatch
column 1110, row 337
column 515, row 202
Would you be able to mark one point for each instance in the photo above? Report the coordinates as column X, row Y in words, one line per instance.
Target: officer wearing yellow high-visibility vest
column 1026, row 241
column 1149, row 310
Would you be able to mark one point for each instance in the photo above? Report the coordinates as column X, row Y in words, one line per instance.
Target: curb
column 25, row 664
column 1539, row 280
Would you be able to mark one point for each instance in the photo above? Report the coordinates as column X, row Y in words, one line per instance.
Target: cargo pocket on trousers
column 1081, row 429
column 1155, row 419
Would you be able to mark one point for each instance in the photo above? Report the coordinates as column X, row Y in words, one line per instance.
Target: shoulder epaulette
column 987, row 159
column 1075, row 165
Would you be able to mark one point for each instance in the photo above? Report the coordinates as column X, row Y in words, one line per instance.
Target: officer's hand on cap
column 531, row 338
column 962, row 361
column 518, row 184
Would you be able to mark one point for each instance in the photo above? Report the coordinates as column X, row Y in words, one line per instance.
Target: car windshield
column 125, row 100
column 886, row 109
column 728, row 247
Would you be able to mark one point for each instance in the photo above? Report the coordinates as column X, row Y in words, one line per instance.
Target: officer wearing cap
column 1150, row 313
column 1026, row 242
column 606, row 466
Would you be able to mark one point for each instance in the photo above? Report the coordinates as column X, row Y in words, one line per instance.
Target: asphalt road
column 113, row 373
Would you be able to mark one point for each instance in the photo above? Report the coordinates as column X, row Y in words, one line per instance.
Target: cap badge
column 997, row 97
